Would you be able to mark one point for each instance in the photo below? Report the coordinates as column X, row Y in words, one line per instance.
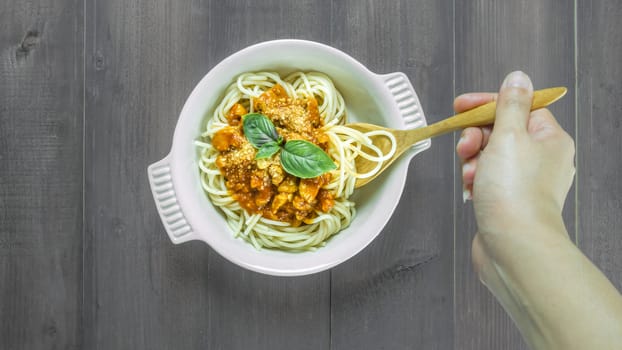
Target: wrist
column 514, row 242
column 510, row 220
column 549, row 287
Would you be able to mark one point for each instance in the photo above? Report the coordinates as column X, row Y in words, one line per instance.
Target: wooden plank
column 599, row 143
column 140, row 291
column 270, row 312
column 397, row 293
column 41, row 174
column 492, row 39
column 143, row 58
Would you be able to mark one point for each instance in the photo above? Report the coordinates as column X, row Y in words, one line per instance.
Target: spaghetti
column 342, row 144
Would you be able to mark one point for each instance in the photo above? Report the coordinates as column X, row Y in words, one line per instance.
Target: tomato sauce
column 262, row 186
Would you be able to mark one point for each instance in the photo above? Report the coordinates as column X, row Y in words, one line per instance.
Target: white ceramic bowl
column 188, row 214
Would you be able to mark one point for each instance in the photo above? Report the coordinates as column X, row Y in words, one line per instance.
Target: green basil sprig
column 300, row 158
column 267, row 150
column 259, row 130
column 305, row 160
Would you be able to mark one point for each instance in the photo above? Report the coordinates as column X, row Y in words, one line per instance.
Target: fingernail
column 517, row 79
column 466, row 167
column 466, row 195
column 460, row 141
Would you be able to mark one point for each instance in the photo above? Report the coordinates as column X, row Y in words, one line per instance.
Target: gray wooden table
column 90, row 92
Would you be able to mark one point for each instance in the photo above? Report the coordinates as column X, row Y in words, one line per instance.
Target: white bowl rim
column 177, row 162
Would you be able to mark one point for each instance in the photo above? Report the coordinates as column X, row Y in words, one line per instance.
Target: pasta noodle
column 344, row 146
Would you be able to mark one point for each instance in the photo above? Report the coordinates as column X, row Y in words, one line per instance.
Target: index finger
column 471, row 100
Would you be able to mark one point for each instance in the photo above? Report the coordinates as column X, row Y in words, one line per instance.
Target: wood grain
column 270, row 312
column 90, row 95
column 140, row 290
column 40, row 174
column 397, row 293
column 492, row 39
column 598, row 139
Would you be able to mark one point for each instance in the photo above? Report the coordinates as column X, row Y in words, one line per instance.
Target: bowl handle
column 161, row 182
column 405, row 99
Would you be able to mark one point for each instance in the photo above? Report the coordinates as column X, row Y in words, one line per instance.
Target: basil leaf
column 305, row 160
column 259, row 130
column 267, row 150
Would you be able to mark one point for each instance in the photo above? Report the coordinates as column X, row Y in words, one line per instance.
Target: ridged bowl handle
column 161, row 182
column 407, row 103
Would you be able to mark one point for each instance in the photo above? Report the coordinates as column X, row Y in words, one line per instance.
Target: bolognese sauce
column 262, row 186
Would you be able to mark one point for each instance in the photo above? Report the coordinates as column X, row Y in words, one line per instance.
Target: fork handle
column 485, row 114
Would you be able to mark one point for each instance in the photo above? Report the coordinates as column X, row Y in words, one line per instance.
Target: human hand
column 521, row 170
column 519, row 173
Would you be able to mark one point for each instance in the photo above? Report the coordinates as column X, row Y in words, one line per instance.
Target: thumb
column 513, row 104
